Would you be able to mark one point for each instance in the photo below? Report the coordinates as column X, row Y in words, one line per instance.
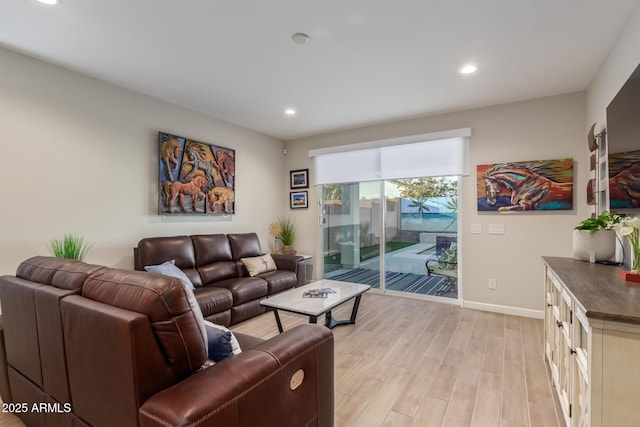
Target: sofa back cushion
column 33, row 336
column 156, row 250
column 164, row 300
column 213, row 258
column 244, row 245
column 61, row 273
column 210, row 248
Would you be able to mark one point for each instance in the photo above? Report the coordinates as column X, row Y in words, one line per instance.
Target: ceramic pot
column 594, row 246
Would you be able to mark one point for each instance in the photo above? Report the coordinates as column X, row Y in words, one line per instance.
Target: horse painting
column 526, row 186
column 624, row 180
column 177, row 189
column 193, row 169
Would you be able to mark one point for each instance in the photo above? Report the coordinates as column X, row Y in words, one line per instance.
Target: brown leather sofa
column 91, row 345
column 225, row 292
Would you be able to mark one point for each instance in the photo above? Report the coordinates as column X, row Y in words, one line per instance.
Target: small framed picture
column 300, row 178
column 299, row 200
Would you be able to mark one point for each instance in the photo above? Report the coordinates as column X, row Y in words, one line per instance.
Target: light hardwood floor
column 409, row 362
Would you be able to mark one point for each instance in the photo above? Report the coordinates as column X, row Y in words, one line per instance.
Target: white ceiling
column 368, row 61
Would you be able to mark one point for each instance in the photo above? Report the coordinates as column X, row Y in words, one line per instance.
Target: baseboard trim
column 504, row 309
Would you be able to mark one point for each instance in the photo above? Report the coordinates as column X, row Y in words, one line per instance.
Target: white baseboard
column 504, row 309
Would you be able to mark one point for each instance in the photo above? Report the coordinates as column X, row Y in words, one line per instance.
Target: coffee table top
column 292, row 300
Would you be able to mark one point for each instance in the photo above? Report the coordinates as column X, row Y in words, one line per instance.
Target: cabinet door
column 552, row 332
column 581, row 396
column 550, row 295
column 566, row 356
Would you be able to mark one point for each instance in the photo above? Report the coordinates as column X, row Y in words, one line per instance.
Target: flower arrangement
column 275, row 229
column 630, row 227
column 283, row 230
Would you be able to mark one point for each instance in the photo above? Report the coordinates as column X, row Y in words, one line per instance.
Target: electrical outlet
column 492, row 284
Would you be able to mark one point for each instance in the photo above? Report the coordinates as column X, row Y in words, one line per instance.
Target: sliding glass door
column 351, row 221
column 405, row 228
column 420, row 223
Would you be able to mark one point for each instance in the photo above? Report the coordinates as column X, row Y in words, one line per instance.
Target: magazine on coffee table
column 318, row 293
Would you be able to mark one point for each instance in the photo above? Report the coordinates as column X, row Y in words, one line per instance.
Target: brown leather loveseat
column 223, row 288
column 84, row 345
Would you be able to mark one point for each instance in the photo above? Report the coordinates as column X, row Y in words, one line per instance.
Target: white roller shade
column 433, row 158
column 443, row 157
column 349, row 166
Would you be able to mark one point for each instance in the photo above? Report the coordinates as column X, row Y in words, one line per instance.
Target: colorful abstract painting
column 194, row 177
column 624, row 180
column 526, row 186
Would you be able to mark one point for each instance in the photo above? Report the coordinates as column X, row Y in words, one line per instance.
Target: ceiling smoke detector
column 300, row 38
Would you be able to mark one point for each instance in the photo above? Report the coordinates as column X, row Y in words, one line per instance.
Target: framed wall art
column 195, row 177
column 624, row 180
column 526, row 186
column 299, row 200
column 299, row 178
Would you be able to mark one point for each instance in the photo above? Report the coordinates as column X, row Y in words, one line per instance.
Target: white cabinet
column 593, row 350
column 558, row 339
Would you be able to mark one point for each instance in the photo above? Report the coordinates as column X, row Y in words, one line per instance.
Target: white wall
column 79, row 156
column 540, row 129
column 622, row 60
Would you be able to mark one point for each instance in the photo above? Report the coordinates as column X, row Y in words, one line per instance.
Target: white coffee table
column 292, row 301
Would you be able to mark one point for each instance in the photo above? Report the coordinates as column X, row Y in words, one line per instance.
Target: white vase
column 594, row 246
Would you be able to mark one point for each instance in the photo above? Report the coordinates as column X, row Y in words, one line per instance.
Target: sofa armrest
column 260, row 386
column 293, row 263
column 5, row 390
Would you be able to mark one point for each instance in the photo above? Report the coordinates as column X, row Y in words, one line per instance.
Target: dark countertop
column 598, row 288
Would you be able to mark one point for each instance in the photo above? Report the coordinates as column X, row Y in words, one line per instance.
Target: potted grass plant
column 69, row 246
column 594, row 239
column 287, row 236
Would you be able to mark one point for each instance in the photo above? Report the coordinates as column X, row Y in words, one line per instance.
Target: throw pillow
column 168, row 268
column 197, row 312
column 221, row 342
column 259, row 264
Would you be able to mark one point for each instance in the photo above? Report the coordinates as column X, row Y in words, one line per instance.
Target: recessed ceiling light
column 468, row 69
column 49, row 2
column 300, row 38
column 290, row 112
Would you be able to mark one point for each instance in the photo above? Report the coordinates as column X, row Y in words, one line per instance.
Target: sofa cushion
column 244, row 245
column 217, row 271
column 156, row 250
column 259, row 264
column 279, row 280
column 59, row 272
column 165, row 301
column 210, row 248
column 213, row 299
column 168, row 268
column 245, row 289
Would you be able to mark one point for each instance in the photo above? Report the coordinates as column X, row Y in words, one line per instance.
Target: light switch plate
column 496, row 228
column 476, row 228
